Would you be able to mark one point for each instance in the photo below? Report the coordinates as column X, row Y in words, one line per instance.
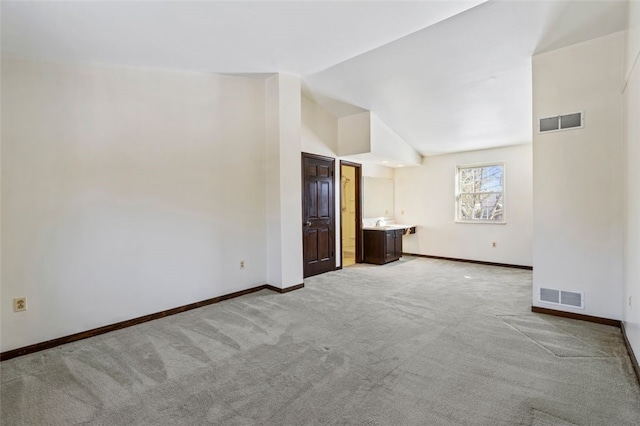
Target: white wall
column 374, row 170
column 272, row 180
column 632, row 39
column 386, row 144
column 578, row 175
column 425, row 196
column 365, row 138
column 631, row 308
column 283, row 181
column 354, row 134
column 126, row 192
column 319, row 129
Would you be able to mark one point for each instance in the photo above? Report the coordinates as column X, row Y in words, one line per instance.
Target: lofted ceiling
column 446, row 76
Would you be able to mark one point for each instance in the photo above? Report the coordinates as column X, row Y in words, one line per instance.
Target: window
column 480, row 193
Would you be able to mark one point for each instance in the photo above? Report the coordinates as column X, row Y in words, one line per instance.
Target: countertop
column 387, row 227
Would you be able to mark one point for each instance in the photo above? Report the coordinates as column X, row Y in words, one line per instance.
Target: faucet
column 379, row 222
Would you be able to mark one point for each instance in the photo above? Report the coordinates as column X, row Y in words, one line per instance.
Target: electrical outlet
column 242, row 264
column 19, row 304
column 629, row 301
column 494, row 244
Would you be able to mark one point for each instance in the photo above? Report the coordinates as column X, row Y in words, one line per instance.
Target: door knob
column 308, row 223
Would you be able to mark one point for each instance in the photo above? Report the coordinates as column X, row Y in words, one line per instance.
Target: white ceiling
column 445, row 75
column 212, row 36
column 465, row 83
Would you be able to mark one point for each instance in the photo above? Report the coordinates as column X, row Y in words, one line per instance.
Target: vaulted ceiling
column 445, row 75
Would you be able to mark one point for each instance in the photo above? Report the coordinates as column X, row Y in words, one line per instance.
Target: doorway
column 350, row 213
column 318, row 214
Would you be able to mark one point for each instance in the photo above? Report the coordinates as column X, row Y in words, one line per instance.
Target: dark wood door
column 318, row 214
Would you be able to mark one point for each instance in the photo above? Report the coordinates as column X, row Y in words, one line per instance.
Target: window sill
column 482, row 222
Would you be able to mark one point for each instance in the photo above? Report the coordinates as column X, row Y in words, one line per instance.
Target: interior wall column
column 283, row 180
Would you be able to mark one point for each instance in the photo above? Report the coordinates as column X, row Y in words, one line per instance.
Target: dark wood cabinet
column 382, row 246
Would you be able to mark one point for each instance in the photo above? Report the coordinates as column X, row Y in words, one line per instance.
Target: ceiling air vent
column 575, row 120
column 574, row 299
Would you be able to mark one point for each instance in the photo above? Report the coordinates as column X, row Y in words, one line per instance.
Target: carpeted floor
column 415, row 342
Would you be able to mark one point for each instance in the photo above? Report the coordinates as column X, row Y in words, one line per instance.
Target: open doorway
column 350, row 213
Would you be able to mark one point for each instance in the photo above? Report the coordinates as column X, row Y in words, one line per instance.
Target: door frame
column 304, row 155
column 358, row 191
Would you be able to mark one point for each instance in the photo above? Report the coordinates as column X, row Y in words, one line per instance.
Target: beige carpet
column 415, row 342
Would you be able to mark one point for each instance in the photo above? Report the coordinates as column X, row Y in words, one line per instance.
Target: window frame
column 458, row 193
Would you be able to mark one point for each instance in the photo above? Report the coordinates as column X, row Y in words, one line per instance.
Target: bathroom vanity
column 382, row 237
column 383, row 244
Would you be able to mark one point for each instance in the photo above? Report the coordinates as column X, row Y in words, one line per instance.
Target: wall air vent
column 575, row 120
column 574, row 299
